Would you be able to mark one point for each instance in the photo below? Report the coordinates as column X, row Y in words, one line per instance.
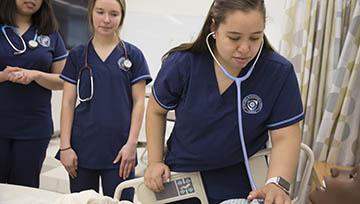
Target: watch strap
column 280, row 182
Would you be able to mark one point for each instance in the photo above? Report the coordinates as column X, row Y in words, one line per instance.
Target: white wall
column 156, row 26
column 275, row 20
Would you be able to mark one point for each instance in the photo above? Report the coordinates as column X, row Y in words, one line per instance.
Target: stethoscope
column 124, row 64
column 238, row 86
column 32, row 43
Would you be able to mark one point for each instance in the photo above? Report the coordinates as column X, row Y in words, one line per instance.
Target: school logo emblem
column 252, row 104
column 44, row 40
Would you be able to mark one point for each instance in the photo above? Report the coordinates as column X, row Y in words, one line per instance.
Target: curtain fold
column 321, row 38
column 337, row 139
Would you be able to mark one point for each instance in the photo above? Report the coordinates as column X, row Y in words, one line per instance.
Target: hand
column 23, row 76
column 7, row 72
column 156, row 174
column 127, row 156
column 271, row 194
column 69, row 159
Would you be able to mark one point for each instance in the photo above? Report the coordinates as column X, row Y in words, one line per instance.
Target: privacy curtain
column 321, row 38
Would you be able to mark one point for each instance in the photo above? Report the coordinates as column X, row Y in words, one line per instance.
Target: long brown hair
column 44, row 19
column 91, row 6
column 218, row 11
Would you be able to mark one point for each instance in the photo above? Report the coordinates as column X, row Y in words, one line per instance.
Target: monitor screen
column 72, row 18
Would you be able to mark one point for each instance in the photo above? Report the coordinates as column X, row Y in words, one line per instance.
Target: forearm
column 66, row 126
column 285, row 153
column 49, row 81
column 155, row 133
column 66, row 121
column 136, row 121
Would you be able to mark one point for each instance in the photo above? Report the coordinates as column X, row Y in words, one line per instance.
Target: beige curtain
column 322, row 38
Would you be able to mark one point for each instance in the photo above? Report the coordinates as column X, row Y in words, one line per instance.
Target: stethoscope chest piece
column 127, row 63
column 124, row 63
column 33, row 44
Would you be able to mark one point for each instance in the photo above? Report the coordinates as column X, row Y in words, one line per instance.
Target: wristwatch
column 280, row 182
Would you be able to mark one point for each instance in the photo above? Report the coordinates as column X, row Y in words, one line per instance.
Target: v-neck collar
column 242, row 73
column 108, row 57
column 14, row 29
column 29, row 29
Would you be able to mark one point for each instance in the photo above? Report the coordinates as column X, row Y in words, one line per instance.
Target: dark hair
column 44, row 19
column 217, row 12
column 91, row 6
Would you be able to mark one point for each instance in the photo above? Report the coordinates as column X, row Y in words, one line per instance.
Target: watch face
column 282, row 182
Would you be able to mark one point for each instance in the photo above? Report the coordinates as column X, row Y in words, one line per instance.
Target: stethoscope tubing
column 239, row 110
column 126, row 63
column 17, row 51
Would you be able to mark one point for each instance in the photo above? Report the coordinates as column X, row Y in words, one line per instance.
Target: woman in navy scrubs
column 32, row 54
column 99, row 136
column 206, row 134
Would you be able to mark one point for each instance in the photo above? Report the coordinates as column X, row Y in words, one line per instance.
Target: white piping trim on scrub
column 162, row 105
column 60, row 57
column 285, row 121
column 67, row 79
column 141, row 77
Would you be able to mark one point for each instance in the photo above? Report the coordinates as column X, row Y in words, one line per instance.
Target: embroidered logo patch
column 44, row 40
column 252, row 104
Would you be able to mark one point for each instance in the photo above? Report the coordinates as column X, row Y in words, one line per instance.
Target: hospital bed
column 187, row 185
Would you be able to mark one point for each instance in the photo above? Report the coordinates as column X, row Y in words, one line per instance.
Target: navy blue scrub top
column 25, row 110
column 101, row 126
column 205, row 136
